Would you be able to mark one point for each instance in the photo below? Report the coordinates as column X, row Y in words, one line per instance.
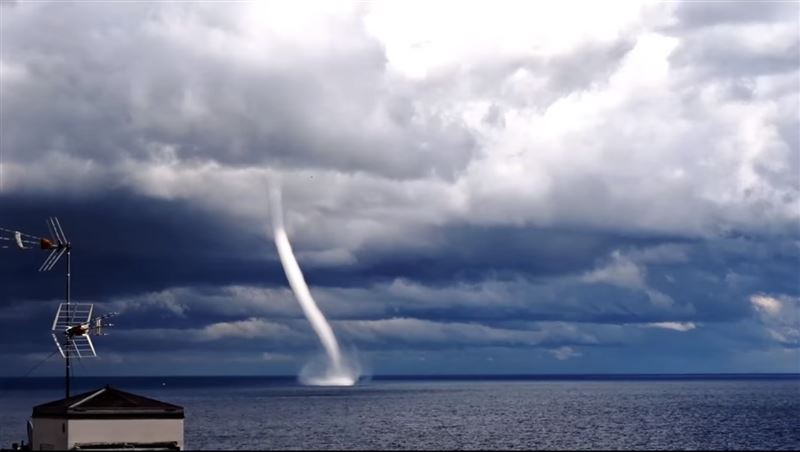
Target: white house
column 106, row 419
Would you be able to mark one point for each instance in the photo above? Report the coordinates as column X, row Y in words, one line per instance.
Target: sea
column 578, row 412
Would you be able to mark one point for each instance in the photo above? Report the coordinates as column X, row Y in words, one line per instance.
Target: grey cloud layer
column 175, row 82
column 630, row 176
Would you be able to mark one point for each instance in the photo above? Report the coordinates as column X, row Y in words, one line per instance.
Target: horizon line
column 454, row 375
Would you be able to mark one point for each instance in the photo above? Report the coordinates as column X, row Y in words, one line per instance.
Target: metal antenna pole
column 73, row 323
column 66, row 356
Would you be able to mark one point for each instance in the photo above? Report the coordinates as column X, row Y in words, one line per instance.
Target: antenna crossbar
column 73, row 324
column 70, row 315
column 75, row 346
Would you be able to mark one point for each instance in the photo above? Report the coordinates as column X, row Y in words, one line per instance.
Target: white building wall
column 124, row 430
column 49, row 434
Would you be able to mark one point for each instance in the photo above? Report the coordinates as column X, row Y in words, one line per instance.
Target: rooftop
column 108, row 403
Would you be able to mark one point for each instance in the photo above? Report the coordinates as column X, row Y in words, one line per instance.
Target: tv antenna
column 73, row 325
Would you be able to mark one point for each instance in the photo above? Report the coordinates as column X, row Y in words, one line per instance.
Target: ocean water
column 632, row 412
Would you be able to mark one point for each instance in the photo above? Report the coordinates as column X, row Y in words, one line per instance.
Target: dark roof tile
column 108, row 403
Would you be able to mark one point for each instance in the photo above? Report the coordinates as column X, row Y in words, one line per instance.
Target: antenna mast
column 59, row 246
column 73, row 324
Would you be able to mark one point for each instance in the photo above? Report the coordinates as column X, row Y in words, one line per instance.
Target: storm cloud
column 513, row 187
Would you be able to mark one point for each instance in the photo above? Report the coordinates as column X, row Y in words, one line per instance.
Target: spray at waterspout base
column 335, row 370
column 321, row 372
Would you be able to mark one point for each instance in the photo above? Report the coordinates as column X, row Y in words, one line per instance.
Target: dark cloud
column 126, row 244
column 617, row 194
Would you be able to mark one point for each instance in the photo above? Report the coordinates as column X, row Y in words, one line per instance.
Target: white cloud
column 389, row 129
column 623, row 271
column 425, row 40
column 620, row 271
column 251, row 328
column 11, row 73
column 167, row 300
column 779, row 316
column 765, row 304
column 270, row 356
column 675, row 326
column 564, row 353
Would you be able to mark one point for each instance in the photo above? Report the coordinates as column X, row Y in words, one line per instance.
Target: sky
column 469, row 187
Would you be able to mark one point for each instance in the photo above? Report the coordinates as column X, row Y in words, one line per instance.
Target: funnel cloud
column 336, row 371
